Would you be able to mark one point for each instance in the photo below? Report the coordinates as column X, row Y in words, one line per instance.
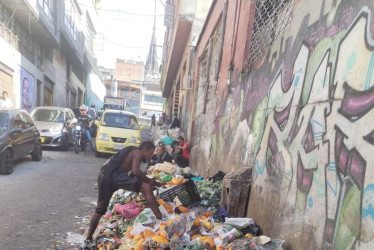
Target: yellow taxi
column 117, row 129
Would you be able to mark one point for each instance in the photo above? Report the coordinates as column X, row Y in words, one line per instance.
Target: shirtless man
column 122, row 170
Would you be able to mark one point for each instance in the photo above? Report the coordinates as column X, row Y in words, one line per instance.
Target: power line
column 124, row 12
column 130, row 47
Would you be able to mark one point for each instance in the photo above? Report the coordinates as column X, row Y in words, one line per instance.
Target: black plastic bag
column 220, row 214
column 218, row 176
column 253, row 229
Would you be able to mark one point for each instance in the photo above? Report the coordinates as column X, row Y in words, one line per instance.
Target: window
column 28, row 119
column 48, row 115
column 90, row 34
column 272, row 18
column 119, row 120
column 18, row 122
column 25, row 42
column 4, row 122
column 8, row 27
column 71, row 18
column 49, row 54
column 48, row 8
column 153, row 99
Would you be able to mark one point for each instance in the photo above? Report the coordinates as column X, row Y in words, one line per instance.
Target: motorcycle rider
column 86, row 120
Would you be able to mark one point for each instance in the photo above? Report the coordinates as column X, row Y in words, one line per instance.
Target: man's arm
column 73, row 121
column 89, row 120
column 184, row 147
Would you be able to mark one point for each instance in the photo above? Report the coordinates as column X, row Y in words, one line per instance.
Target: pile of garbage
column 129, row 224
column 167, row 135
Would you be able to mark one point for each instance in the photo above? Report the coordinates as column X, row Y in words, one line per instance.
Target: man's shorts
column 109, row 183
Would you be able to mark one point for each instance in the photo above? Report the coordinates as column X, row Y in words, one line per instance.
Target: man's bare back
column 128, row 164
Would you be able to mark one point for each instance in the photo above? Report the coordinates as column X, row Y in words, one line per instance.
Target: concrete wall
column 302, row 117
column 59, row 87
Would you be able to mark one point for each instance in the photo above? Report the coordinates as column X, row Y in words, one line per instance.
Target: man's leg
column 73, row 132
column 88, row 135
column 181, row 161
column 105, row 192
column 146, row 188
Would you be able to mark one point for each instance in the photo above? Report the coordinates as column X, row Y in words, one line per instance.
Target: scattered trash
column 239, row 222
column 192, row 218
column 74, row 238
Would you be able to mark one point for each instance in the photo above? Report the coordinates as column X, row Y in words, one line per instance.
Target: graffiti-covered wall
column 303, row 116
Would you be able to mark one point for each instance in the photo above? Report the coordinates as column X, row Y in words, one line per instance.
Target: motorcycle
column 80, row 141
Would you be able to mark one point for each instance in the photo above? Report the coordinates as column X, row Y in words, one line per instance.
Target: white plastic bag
column 239, row 222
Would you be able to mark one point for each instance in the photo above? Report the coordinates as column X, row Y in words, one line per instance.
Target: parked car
column 117, row 129
column 52, row 123
column 18, row 137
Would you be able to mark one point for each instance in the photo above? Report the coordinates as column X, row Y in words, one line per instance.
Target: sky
column 127, row 27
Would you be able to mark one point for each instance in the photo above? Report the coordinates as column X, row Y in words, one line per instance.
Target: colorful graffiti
column 318, row 137
column 28, row 100
column 303, row 117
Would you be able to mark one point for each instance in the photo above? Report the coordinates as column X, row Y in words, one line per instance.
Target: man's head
column 175, row 115
column 161, row 148
column 180, row 140
column 83, row 109
column 147, row 148
column 5, row 95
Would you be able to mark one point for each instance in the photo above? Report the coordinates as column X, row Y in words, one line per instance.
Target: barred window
column 272, row 18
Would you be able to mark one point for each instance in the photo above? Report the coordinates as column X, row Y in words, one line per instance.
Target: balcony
column 72, row 39
column 31, row 14
column 8, row 36
column 181, row 32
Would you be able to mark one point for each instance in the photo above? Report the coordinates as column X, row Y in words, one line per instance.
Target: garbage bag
column 168, row 141
column 218, row 176
column 175, row 133
column 253, row 229
column 239, row 222
column 165, row 167
column 220, row 214
column 129, row 210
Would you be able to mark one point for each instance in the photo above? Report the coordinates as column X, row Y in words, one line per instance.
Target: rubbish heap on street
column 202, row 224
column 194, row 215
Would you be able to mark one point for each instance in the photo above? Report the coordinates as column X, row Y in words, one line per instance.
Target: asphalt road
column 40, row 202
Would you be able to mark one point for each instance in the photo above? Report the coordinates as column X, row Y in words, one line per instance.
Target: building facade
column 42, row 59
column 286, row 87
column 152, row 101
column 184, row 21
column 125, row 81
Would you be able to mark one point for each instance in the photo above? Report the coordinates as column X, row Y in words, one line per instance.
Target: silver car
column 52, row 123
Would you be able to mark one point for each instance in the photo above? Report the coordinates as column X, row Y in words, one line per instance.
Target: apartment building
column 45, row 59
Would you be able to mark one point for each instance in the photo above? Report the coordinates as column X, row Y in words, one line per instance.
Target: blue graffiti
column 310, row 202
column 369, row 74
column 296, row 81
column 259, row 169
column 332, row 168
column 318, row 130
column 368, row 202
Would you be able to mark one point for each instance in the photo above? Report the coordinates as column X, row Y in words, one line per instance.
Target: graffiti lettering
column 316, row 152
